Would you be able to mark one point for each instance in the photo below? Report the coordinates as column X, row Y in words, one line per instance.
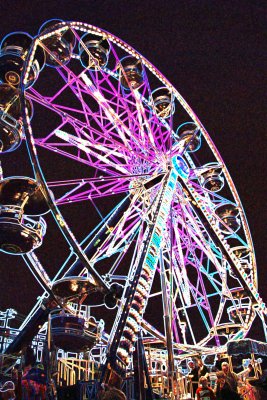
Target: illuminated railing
column 73, row 370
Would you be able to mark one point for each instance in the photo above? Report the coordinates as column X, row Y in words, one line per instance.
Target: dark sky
column 214, row 53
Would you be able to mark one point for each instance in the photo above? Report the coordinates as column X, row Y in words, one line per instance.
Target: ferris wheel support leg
column 148, row 257
column 263, row 318
column 167, row 324
column 141, row 372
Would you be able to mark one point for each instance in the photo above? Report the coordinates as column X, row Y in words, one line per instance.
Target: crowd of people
column 29, row 382
column 220, row 384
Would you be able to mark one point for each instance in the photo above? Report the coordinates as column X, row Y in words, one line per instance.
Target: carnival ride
column 159, row 258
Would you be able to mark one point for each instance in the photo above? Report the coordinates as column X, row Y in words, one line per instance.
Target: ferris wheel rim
column 30, row 138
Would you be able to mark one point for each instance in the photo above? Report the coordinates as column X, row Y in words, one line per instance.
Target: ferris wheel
column 156, row 234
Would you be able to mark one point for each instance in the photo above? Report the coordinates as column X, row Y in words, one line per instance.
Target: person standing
column 223, row 388
column 231, row 377
column 193, row 375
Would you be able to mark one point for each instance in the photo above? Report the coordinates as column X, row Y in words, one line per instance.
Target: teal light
column 180, row 166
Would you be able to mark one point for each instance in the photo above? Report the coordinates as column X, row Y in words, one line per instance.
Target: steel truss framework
column 181, row 244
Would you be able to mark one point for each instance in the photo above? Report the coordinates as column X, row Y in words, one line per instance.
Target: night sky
column 214, row 53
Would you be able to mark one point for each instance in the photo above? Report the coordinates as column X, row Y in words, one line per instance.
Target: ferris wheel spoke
column 118, row 126
column 76, row 190
column 187, row 225
column 241, row 249
column 123, row 233
column 117, row 121
column 97, row 89
column 239, row 313
column 182, row 314
column 196, row 268
column 87, row 146
column 38, row 271
column 120, row 245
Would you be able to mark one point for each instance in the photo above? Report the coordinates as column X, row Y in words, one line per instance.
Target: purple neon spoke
column 65, row 68
column 174, row 326
column 98, row 179
column 89, row 194
column 100, row 108
column 46, row 145
column 93, row 192
column 197, row 290
column 139, row 155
